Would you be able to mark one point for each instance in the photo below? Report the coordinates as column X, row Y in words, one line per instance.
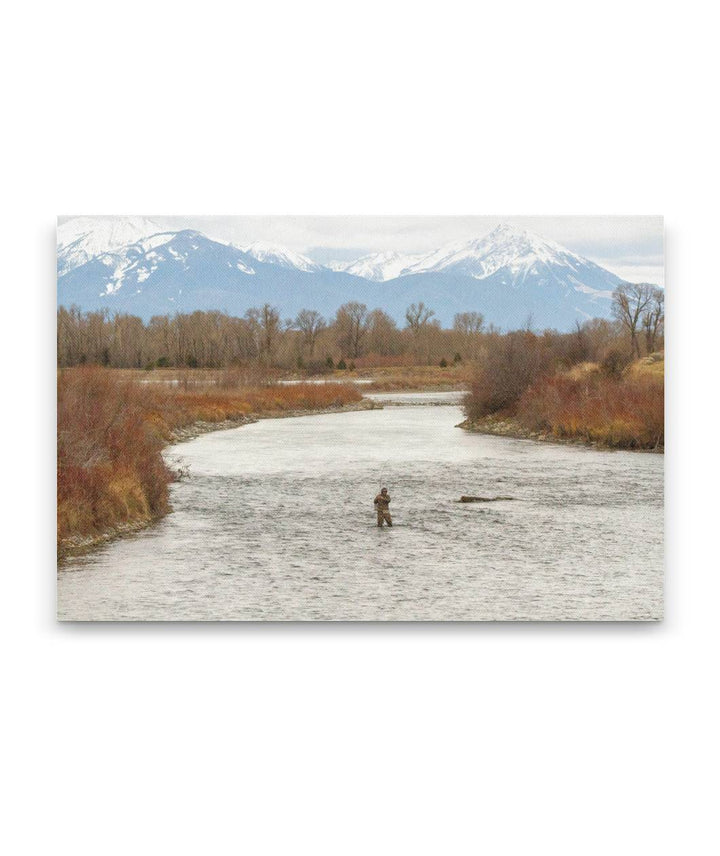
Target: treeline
column 308, row 341
column 354, row 336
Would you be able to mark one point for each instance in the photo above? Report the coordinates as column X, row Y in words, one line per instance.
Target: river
column 276, row 522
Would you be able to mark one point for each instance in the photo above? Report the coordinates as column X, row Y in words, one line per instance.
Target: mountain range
column 132, row 265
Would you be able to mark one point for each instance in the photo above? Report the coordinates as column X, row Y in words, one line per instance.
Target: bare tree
column 265, row 324
column 630, row 301
column 351, row 324
column 468, row 323
column 468, row 326
column 417, row 316
column 383, row 335
column 418, row 322
column 653, row 320
column 309, row 323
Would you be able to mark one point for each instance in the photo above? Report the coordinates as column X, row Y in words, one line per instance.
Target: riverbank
column 508, row 426
column 586, row 405
column 383, row 378
column 197, row 429
column 411, row 378
column 76, row 545
column 112, row 478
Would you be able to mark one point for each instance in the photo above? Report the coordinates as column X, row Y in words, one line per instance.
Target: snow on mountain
column 274, row 254
column 80, row 239
column 166, row 258
column 131, row 265
column 512, row 256
column 185, row 271
column 519, row 256
column 377, row 267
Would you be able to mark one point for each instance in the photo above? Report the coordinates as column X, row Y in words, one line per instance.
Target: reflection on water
column 276, row 522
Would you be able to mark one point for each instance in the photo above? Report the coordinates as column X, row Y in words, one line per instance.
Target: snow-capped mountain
column 377, row 267
column 276, row 255
column 514, row 254
column 517, row 255
column 83, row 238
column 185, row 271
column 131, row 265
column 512, row 275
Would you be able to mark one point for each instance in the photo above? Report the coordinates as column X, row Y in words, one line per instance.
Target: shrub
column 614, row 361
column 341, row 365
column 515, row 361
column 109, row 465
column 317, row 367
column 624, row 413
column 111, row 431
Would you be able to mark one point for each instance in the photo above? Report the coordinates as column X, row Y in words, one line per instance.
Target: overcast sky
column 632, row 247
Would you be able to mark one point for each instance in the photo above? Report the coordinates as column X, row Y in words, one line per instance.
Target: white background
column 359, row 739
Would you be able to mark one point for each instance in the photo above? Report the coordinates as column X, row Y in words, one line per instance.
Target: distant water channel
column 276, row 522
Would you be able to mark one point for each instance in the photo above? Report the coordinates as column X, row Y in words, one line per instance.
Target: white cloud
column 616, row 235
column 653, row 273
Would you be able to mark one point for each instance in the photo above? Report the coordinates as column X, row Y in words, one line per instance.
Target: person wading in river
column 382, row 506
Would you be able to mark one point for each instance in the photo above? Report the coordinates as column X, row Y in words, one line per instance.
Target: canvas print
column 360, row 418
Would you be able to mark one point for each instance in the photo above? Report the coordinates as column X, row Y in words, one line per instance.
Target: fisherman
column 382, row 503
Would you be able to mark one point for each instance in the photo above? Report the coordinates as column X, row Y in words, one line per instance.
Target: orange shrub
column 110, row 469
column 111, row 429
column 623, row 413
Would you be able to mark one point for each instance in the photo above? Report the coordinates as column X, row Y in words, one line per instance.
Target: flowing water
column 276, row 522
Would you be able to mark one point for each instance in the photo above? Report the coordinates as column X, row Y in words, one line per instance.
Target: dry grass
column 652, row 366
column 386, row 378
column 583, row 402
column 582, row 370
column 396, row 378
column 111, row 431
column 627, row 413
column 248, row 376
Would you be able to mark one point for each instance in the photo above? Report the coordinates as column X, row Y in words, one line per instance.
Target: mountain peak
column 506, row 230
column 80, row 239
column 510, row 254
column 264, row 251
column 376, row 267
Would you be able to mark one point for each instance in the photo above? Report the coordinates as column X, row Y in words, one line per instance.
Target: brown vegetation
column 112, row 428
column 586, row 402
column 354, row 337
column 640, row 305
column 308, row 343
column 593, row 384
column 396, row 378
column 623, row 413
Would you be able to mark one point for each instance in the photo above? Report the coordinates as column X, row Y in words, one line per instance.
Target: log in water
column 277, row 522
column 484, row 498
